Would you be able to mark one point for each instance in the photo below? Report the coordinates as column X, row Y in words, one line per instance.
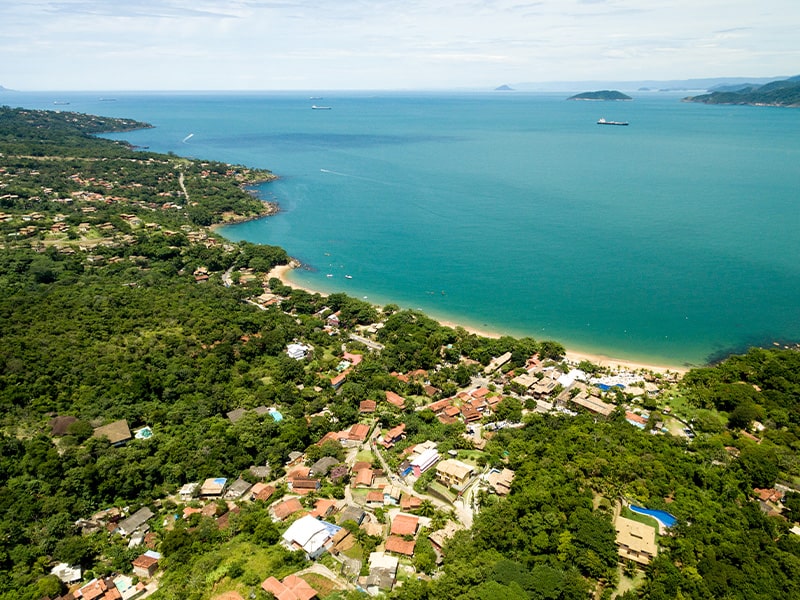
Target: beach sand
column 283, row 272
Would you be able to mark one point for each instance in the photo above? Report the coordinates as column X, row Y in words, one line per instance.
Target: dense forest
column 117, row 302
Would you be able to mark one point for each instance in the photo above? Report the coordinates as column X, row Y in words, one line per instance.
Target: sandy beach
column 283, row 272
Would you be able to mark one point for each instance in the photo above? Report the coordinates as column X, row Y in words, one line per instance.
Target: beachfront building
column 310, row 535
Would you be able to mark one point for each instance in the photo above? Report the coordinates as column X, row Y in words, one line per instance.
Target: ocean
column 671, row 241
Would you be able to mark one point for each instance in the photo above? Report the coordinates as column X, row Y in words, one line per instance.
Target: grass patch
column 323, row 585
column 639, row 518
column 365, row 456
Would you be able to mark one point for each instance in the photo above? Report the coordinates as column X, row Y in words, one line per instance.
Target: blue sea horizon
column 671, row 241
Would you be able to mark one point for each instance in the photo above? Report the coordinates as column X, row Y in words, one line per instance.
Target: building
column 285, row 509
column 394, row 435
column 322, row 466
column 367, row 406
column 400, row 546
column 291, row 588
column 593, row 404
column 453, row 473
column 213, row 487
column 146, row 565
column 424, row 461
column 310, row 535
column 496, row 363
column 395, row 400
column 500, row 481
column 382, row 572
column 137, row 521
column 188, row 491
column 237, row 489
column 635, row 541
column 66, row 573
column 297, row 351
column 117, row 432
column 403, row 525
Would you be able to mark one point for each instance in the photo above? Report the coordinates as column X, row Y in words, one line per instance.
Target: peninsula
column 177, row 422
column 601, row 95
column 783, row 93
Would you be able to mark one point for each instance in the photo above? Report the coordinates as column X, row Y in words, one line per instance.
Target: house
column 635, row 420
column 304, row 485
column 213, row 487
column 236, row 414
column 117, row 432
column 188, row 491
column 146, row 565
column 322, row 466
column 98, row 589
column 500, row 481
column 382, row 572
column 364, row 478
column 323, row 508
column 392, row 495
column 338, row 380
column 440, row 537
column 593, row 404
column 136, row 521
column 395, row 400
column 297, row 351
column 237, row 489
column 403, row 525
column 358, row 433
column 394, row 435
column 496, row 363
column 283, row 510
column 291, row 588
column 400, row 546
column 439, row 405
column 635, row 541
column 409, row 502
column 453, row 473
column 374, row 498
column 342, row 541
column 367, row 407
column 352, row 513
column 424, row 461
column 262, row 492
column 469, row 414
column 310, row 535
column 66, row 573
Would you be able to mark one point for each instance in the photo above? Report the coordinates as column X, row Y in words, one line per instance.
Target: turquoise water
column 671, row 240
column 663, row 517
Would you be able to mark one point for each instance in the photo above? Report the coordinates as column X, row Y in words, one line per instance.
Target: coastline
column 283, row 272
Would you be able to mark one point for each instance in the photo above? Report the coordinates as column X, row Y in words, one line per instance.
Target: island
column 601, row 95
column 504, row 88
column 177, row 422
column 783, row 93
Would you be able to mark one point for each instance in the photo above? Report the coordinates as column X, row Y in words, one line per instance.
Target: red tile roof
column 395, row 399
column 399, row 545
column 364, row 477
column 287, row 508
column 404, row 525
column 368, row 406
column 358, row 432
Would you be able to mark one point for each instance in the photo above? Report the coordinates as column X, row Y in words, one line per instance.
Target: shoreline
column 283, row 272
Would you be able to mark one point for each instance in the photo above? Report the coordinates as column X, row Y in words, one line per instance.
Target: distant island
column 784, row 92
column 601, row 95
column 504, row 88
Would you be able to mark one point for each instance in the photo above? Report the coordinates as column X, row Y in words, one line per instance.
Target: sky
column 387, row 44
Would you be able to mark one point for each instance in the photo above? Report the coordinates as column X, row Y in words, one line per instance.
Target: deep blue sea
column 671, row 240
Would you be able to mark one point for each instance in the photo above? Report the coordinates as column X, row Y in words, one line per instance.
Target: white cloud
column 252, row 44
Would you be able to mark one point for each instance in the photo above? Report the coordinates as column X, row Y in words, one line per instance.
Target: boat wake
column 187, row 138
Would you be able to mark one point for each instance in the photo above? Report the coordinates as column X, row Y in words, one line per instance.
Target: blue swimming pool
column 663, row 517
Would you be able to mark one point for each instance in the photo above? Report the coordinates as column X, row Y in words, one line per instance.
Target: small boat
column 60, row 103
column 604, row 122
column 315, row 107
column 329, row 275
column 348, row 276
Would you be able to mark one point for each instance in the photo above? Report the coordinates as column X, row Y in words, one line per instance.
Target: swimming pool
column 663, row 517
